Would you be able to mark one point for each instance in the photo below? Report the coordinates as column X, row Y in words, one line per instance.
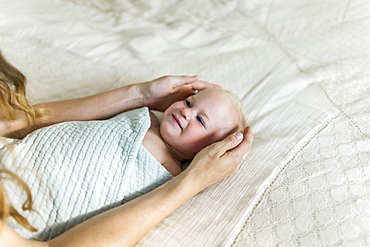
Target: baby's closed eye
column 200, row 120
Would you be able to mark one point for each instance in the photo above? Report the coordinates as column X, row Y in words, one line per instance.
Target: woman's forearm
column 100, row 106
column 127, row 224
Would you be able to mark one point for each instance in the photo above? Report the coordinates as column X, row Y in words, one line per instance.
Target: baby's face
column 192, row 124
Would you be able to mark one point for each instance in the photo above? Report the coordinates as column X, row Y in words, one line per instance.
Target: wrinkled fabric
column 301, row 69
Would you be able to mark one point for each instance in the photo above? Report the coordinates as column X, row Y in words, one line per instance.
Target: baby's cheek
column 204, row 142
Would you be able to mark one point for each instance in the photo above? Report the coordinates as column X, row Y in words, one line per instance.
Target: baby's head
column 190, row 125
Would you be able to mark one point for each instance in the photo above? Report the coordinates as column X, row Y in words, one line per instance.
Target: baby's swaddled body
column 78, row 169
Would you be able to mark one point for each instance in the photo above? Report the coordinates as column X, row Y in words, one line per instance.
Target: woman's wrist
column 132, row 96
column 188, row 183
column 144, row 95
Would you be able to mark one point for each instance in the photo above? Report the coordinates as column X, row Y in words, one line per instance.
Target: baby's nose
column 186, row 112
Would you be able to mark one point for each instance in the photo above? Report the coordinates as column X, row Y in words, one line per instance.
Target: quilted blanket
column 79, row 169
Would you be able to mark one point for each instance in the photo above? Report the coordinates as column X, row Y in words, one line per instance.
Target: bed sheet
column 301, row 69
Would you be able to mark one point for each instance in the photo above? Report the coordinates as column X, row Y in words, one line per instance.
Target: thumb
column 230, row 142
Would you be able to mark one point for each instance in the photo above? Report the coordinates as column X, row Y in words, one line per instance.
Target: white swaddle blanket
column 79, row 169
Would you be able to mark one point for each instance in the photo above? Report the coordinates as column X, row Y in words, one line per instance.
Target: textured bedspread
column 78, row 169
column 301, row 69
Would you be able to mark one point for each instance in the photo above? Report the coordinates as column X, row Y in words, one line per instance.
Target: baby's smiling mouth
column 177, row 121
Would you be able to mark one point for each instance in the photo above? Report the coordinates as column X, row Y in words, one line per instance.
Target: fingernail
column 239, row 136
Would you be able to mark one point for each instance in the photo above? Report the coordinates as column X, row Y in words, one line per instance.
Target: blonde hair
column 235, row 101
column 13, row 101
column 14, row 104
column 6, row 209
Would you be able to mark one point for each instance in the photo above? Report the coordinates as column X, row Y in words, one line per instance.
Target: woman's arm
column 99, row 106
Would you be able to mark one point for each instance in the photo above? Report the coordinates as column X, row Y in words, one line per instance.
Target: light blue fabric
column 78, row 169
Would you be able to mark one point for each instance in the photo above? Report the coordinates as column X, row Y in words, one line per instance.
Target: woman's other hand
column 220, row 160
column 162, row 92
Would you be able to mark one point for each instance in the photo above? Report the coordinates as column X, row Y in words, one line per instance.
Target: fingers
column 179, row 81
column 245, row 145
column 200, row 85
column 228, row 143
column 221, row 159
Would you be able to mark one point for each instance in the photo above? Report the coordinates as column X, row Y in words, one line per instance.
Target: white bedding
column 301, row 69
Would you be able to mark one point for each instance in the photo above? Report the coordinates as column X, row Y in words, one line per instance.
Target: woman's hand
column 220, row 160
column 162, row 92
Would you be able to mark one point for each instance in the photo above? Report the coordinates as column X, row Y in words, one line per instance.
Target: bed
column 301, row 69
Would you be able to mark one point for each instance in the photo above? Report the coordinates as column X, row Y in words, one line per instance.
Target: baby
column 190, row 125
